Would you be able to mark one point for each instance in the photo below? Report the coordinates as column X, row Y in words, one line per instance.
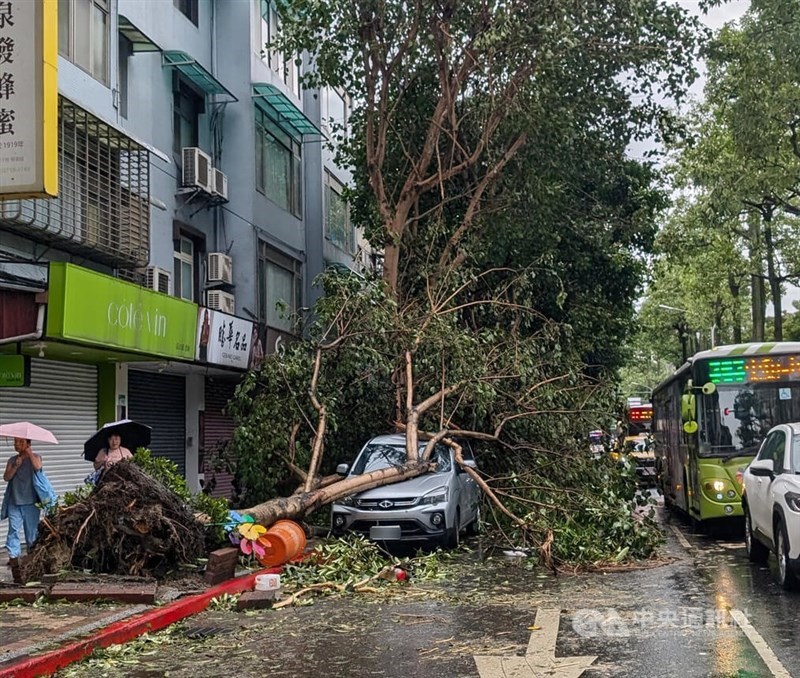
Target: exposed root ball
column 130, row 524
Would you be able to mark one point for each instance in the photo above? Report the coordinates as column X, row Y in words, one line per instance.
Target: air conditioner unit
column 220, row 268
column 158, row 279
column 221, row 301
column 197, row 169
column 219, row 187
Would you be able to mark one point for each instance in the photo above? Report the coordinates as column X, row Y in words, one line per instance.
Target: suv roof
column 390, row 439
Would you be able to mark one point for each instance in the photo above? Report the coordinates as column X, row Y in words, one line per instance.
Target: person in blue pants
column 19, row 502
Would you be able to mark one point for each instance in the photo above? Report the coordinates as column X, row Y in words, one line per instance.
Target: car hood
column 413, row 487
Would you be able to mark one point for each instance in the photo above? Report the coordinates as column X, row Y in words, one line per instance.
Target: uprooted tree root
column 129, row 525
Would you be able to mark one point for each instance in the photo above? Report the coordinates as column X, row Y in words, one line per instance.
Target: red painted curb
column 128, row 629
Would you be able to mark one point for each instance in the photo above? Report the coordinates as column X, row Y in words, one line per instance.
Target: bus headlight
column 718, row 485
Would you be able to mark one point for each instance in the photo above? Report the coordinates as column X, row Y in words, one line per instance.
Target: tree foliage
column 739, row 170
column 488, row 145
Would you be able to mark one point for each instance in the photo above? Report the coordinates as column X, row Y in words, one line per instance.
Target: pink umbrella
column 24, row 429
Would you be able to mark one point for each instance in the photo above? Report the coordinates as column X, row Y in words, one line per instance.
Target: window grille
column 102, row 211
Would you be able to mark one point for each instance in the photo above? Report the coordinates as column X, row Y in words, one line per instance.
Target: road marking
column 764, row 651
column 540, row 656
column 683, row 540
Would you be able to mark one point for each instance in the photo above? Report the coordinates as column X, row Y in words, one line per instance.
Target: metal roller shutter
column 218, row 431
column 159, row 400
column 62, row 397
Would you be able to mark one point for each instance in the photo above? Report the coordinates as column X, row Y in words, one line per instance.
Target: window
column 83, row 35
column 280, row 282
column 188, row 8
column 335, row 110
column 287, row 69
column 184, row 272
column 125, row 52
column 338, row 228
column 187, row 107
column 102, row 211
column 279, row 173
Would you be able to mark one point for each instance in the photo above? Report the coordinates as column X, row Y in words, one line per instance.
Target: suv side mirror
column 342, row 469
column 763, row 468
column 468, row 463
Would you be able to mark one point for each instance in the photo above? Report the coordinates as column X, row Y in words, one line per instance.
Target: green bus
column 710, row 417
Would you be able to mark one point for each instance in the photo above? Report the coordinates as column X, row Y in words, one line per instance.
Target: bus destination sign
column 754, row 369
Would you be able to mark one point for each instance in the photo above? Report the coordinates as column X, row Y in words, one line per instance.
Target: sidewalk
column 37, row 640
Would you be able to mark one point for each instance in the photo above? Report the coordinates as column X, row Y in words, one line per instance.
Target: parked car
column 771, row 502
column 433, row 508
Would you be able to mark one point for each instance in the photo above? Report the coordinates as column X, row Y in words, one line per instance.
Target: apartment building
column 198, row 200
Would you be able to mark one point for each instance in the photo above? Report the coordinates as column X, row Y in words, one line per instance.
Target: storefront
column 95, row 326
column 159, row 400
column 62, row 397
column 226, row 342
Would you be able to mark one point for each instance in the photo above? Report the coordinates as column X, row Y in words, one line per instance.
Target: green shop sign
column 15, row 370
column 91, row 308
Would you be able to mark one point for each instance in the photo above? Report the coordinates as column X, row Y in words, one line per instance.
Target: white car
column 433, row 508
column 771, row 502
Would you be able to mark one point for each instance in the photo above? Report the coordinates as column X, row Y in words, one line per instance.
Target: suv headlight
column 347, row 501
column 792, row 501
column 437, row 496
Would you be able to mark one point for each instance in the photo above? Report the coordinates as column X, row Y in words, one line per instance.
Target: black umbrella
column 133, row 435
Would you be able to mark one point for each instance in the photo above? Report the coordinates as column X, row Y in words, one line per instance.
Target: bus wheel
column 786, row 577
column 756, row 551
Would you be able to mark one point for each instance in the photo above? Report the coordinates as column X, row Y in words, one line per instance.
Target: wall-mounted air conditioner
column 159, row 279
column 197, row 169
column 221, row 301
column 219, row 186
column 220, row 268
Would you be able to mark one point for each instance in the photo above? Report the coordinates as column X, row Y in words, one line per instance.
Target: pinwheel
column 236, row 520
column 250, row 533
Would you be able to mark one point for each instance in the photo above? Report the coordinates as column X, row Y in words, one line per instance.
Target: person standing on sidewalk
column 19, row 503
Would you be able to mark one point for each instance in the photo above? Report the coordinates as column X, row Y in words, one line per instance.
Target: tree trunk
column 736, row 316
column 759, row 307
column 758, row 296
column 772, row 277
column 298, row 505
column 391, row 267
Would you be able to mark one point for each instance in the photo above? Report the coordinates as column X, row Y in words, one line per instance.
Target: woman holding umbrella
column 113, row 453
column 21, row 495
column 114, row 442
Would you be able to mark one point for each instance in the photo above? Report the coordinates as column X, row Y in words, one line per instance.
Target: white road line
column 683, row 540
column 764, row 651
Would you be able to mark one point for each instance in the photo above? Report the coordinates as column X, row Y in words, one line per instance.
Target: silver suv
column 433, row 508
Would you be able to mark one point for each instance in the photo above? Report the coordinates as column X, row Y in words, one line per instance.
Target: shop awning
column 139, row 41
column 195, row 73
column 280, row 108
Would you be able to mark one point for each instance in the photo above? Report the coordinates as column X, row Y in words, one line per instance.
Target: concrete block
column 28, row 594
column 79, row 592
column 257, row 600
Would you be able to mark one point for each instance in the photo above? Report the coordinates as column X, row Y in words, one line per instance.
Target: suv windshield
column 376, row 456
column 736, row 418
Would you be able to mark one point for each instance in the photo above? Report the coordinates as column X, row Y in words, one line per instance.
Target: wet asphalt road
column 672, row 620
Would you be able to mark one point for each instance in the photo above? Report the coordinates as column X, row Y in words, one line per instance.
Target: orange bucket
column 282, row 542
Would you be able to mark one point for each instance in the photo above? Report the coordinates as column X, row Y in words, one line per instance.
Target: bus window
column 737, row 417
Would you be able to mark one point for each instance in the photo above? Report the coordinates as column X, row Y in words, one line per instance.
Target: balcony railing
column 102, row 211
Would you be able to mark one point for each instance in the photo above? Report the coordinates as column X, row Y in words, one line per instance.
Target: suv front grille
column 388, row 504
column 408, row 528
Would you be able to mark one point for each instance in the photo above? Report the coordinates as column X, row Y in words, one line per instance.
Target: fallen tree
column 487, row 144
column 129, row 524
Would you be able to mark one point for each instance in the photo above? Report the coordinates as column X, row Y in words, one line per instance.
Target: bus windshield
column 737, row 417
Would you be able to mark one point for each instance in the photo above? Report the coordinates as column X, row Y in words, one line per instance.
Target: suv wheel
column 786, row 578
column 452, row 536
column 475, row 526
column 756, row 551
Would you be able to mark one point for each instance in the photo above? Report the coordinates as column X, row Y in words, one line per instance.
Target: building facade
column 198, row 200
